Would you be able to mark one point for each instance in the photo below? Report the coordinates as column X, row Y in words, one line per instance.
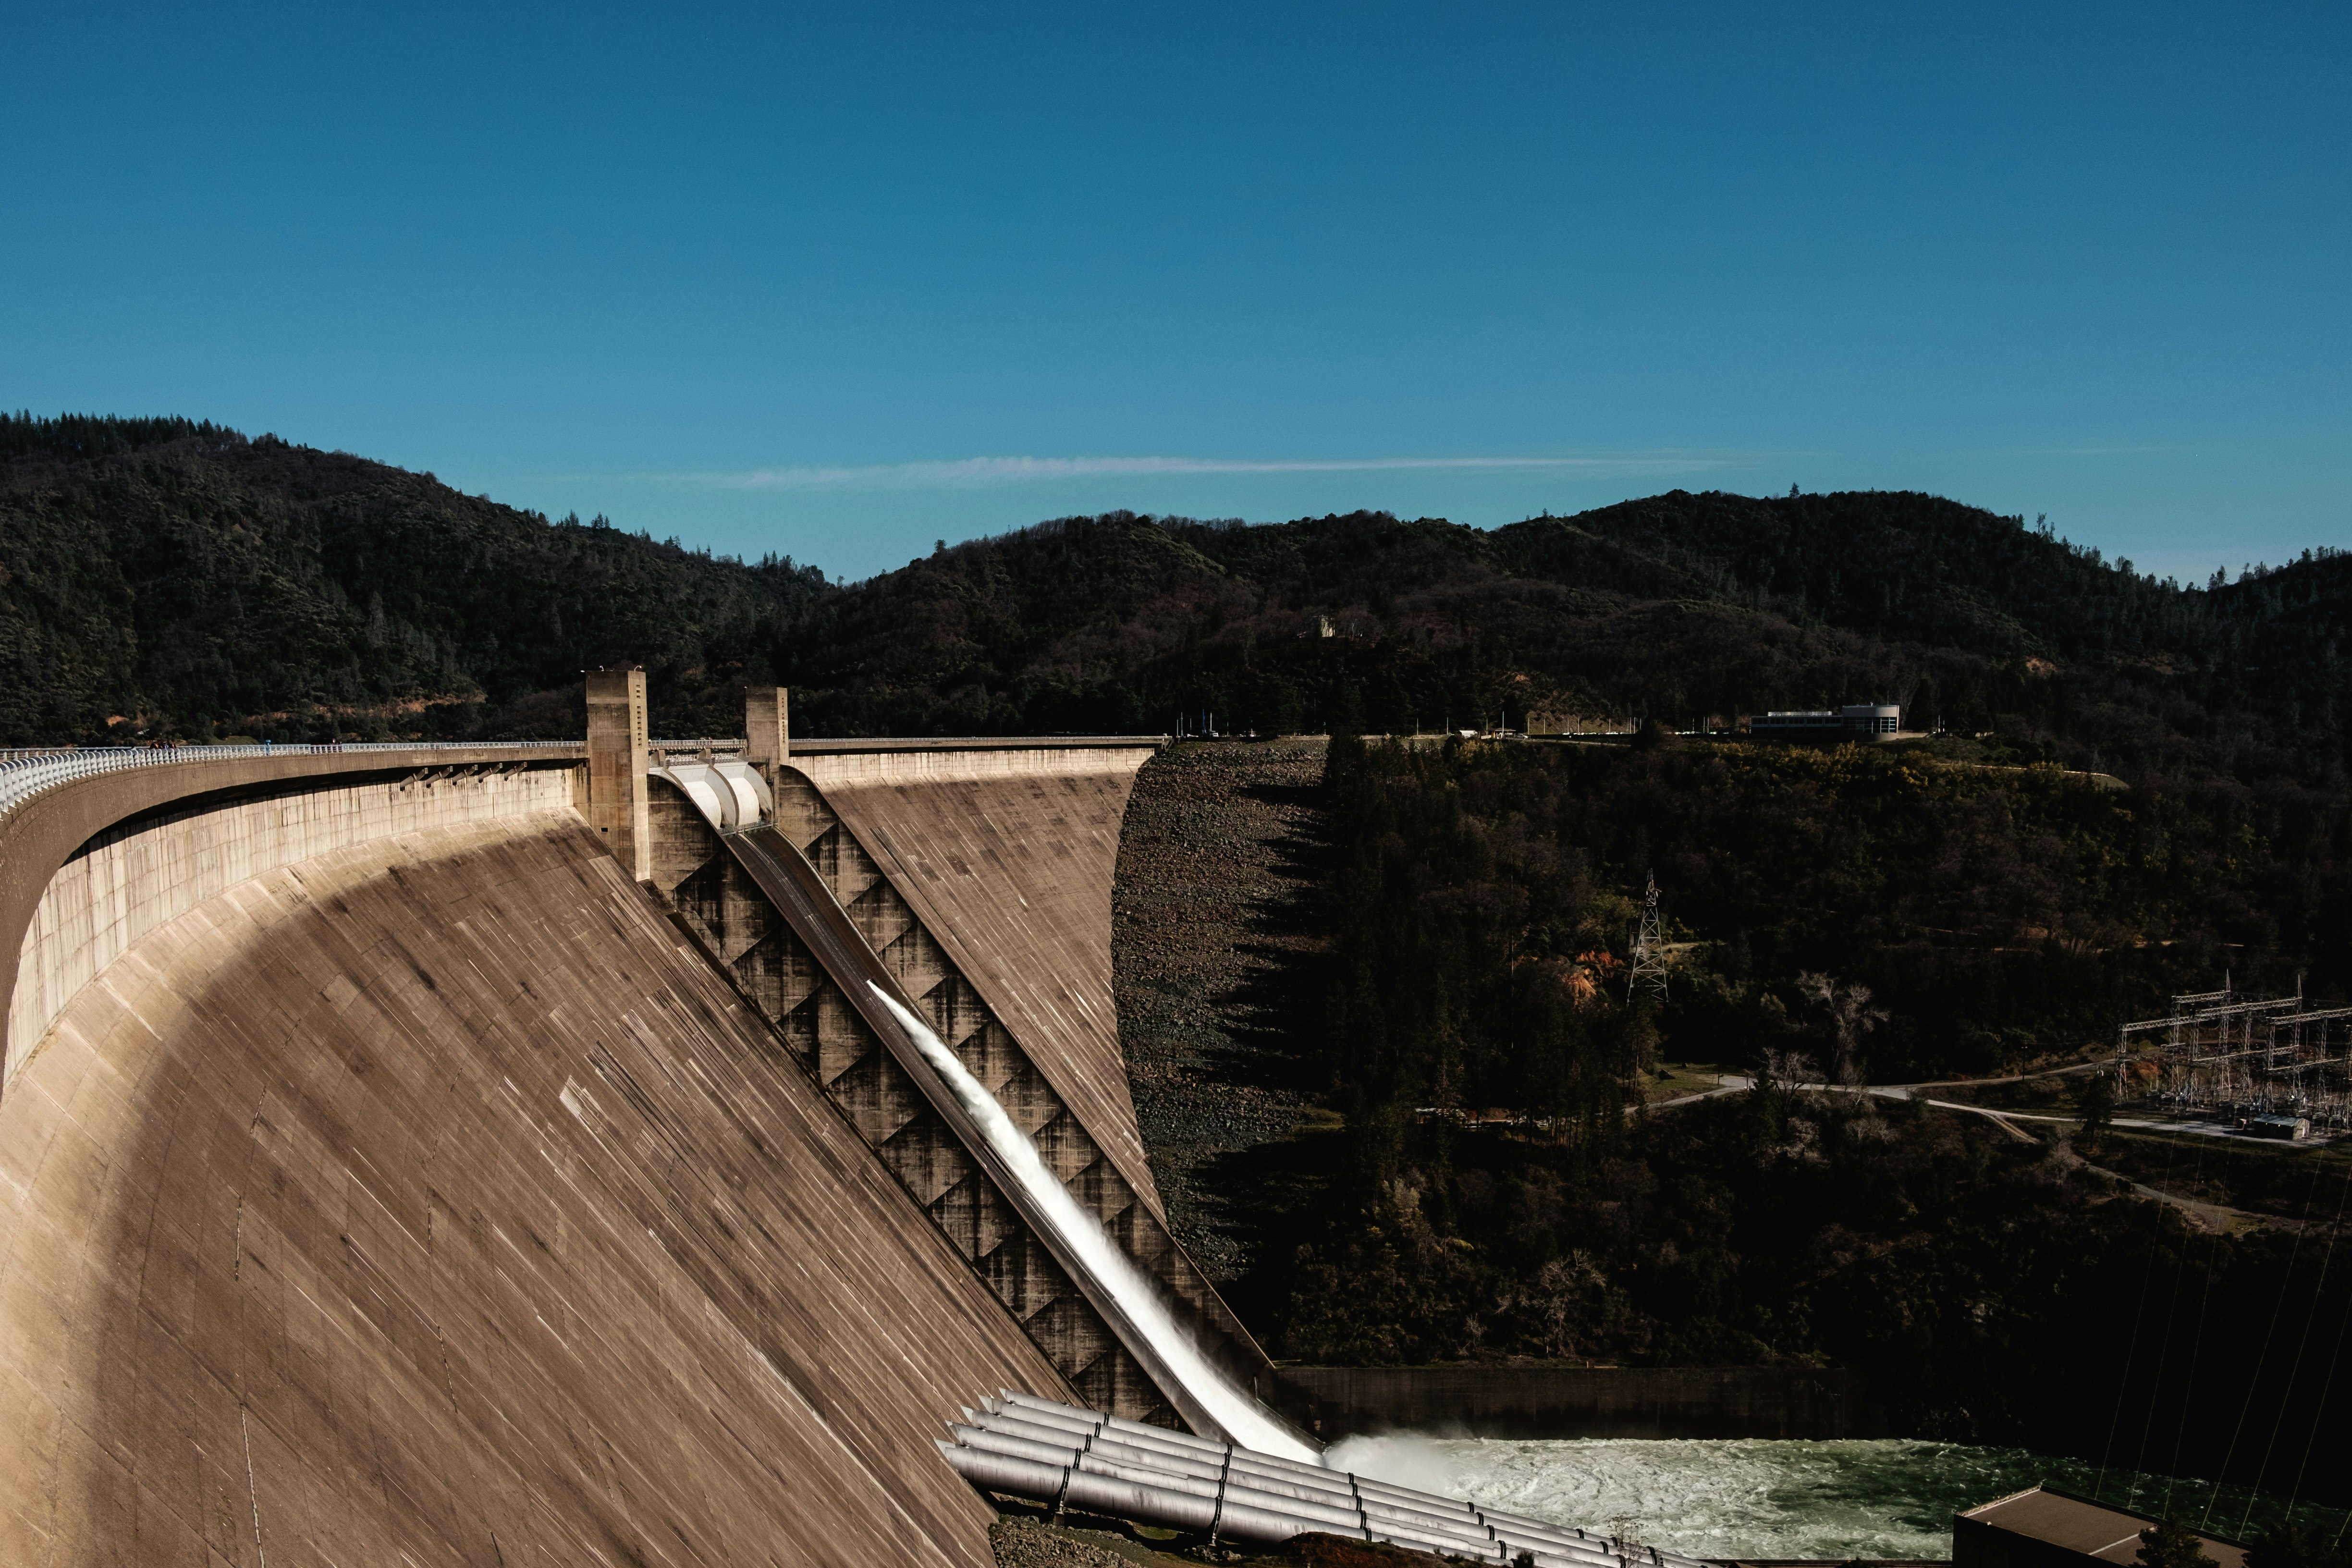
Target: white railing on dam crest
column 25, row 772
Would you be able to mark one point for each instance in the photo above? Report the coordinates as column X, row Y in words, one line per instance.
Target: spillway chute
column 1186, row 1373
column 729, row 792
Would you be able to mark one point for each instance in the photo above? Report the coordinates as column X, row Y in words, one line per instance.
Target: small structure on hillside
column 1853, row 722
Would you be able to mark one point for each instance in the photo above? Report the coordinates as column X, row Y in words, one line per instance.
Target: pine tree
column 2173, row 1544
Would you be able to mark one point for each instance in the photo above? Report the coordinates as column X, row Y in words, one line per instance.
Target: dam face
column 387, row 1176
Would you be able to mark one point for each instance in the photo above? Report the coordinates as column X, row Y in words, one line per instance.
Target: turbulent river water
column 1756, row 1498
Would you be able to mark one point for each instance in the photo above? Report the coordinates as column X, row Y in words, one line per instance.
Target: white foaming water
column 1103, row 1259
column 1718, row 1498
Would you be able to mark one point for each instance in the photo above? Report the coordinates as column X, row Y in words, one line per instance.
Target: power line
column 2171, row 1311
column 2317, row 1291
column 2325, row 1389
column 2123, row 1382
column 2189, row 1388
column 2254, row 1382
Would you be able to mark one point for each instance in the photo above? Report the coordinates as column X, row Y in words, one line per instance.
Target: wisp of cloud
column 971, row 473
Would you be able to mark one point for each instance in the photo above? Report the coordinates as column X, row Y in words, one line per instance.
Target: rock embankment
column 1025, row 1543
column 1214, row 949
column 1032, row 1543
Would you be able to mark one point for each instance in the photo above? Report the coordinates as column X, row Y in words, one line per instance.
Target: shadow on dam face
column 431, row 1200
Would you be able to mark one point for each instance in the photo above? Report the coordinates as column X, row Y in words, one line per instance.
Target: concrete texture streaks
column 135, row 876
column 430, row 1201
column 1006, row 858
column 42, row 832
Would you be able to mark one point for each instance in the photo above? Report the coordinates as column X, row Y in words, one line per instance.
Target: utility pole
column 1649, row 969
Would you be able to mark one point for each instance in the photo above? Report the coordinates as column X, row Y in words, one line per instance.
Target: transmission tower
column 1649, row 969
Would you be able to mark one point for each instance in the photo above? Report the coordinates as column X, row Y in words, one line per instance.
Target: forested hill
column 194, row 583
column 1676, row 608
column 160, row 578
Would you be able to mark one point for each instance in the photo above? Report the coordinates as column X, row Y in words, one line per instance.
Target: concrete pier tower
column 766, row 730
column 616, row 767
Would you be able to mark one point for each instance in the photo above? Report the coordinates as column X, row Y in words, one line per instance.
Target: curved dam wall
column 409, row 1188
column 124, row 882
column 42, row 834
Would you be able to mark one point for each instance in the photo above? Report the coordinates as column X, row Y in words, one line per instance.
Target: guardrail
column 26, row 771
column 704, row 744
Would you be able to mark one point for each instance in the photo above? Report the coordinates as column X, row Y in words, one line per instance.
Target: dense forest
column 1995, row 1291
column 163, row 579
column 168, row 579
column 1997, row 913
column 1679, row 607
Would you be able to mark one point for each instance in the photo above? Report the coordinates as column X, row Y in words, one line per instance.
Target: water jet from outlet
column 1085, row 1240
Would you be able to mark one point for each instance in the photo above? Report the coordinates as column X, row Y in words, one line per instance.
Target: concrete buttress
column 766, row 730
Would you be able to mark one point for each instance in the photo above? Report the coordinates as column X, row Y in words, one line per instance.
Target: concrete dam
column 525, row 1154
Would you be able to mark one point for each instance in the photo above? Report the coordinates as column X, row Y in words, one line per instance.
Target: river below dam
column 1761, row 1498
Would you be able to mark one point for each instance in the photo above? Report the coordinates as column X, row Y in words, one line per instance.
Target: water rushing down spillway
column 1083, row 1239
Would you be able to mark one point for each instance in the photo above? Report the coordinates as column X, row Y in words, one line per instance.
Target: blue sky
column 840, row 282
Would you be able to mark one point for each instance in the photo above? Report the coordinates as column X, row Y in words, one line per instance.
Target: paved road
column 1737, row 1083
column 2215, row 1216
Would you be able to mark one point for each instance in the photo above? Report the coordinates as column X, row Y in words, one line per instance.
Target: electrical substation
column 2266, row 1066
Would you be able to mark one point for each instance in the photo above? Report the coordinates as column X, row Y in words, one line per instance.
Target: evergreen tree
column 2173, row 1544
column 2287, row 1545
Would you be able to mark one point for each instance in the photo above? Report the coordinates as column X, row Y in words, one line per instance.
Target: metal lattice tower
column 1649, row 971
